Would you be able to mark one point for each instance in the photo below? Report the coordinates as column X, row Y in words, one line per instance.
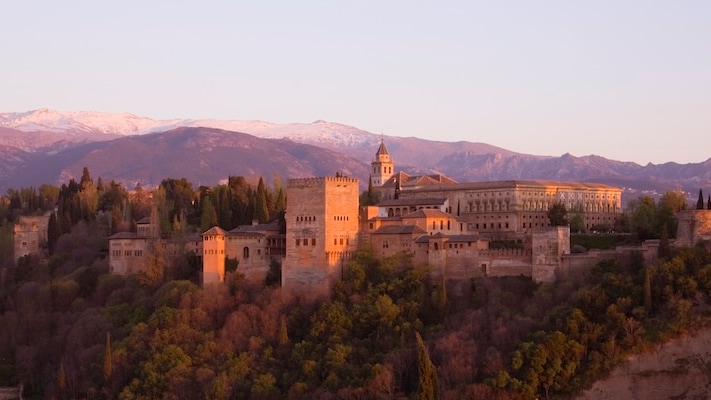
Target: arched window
column 245, row 252
column 436, row 246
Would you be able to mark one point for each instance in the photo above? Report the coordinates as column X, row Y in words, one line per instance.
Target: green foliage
column 169, row 338
column 427, row 387
column 700, row 201
column 558, row 214
column 208, row 218
column 601, row 241
column 273, row 278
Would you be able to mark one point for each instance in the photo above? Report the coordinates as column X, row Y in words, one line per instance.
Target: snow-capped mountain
column 49, row 146
column 73, row 123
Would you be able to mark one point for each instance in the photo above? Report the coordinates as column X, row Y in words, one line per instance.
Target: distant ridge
column 47, row 146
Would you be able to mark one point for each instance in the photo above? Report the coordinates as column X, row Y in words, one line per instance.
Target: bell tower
column 382, row 166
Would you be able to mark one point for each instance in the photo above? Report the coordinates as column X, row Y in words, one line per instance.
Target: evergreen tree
column 647, row 290
column 442, row 302
column 427, row 388
column 558, row 214
column 280, row 203
column 708, row 203
column 208, row 218
column 664, row 249
column 700, row 202
column 85, row 177
column 261, row 211
column 108, row 362
column 283, row 332
column 54, row 231
column 61, row 382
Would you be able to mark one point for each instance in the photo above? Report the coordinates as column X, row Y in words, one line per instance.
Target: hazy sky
column 626, row 80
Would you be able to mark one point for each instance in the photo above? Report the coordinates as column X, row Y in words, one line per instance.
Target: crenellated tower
column 321, row 232
column 382, row 167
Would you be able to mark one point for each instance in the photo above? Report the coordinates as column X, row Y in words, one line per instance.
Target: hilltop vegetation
column 71, row 330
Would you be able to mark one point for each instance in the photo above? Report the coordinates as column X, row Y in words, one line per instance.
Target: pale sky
column 626, row 80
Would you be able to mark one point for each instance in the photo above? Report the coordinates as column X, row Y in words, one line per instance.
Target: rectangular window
column 313, row 241
column 297, row 242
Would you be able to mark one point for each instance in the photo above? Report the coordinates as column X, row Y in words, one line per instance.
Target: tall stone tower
column 213, row 256
column 382, row 166
column 321, row 233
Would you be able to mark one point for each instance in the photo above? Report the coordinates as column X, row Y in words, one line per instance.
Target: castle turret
column 382, row 166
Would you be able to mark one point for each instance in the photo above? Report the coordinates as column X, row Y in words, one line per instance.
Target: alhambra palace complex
column 439, row 222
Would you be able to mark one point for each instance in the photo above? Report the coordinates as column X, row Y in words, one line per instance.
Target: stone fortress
column 456, row 228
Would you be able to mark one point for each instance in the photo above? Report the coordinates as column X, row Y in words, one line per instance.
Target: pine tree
column 708, row 203
column 427, row 374
column 700, row 202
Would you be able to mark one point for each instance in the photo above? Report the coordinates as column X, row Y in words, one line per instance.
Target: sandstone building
column 253, row 247
column 456, row 228
column 321, row 232
column 30, row 234
column 693, row 226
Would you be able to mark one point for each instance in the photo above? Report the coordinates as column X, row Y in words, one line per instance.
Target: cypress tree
column 54, row 231
column 108, row 362
column 647, row 290
column 85, row 177
column 427, row 374
column 283, row 332
column 62, row 381
column 708, row 203
column 664, row 249
column 700, row 202
column 208, row 218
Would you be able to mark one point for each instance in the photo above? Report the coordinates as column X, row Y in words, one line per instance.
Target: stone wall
column 693, row 226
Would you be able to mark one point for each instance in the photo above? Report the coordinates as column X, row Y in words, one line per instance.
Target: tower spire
column 382, row 165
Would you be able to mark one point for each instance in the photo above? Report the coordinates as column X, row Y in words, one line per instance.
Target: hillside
column 203, row 156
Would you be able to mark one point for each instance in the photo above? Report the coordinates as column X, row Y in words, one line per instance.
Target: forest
column 70, row 330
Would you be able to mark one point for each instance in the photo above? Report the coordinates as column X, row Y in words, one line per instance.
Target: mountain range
column 48, row 146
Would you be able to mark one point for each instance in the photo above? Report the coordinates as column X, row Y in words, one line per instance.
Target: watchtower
column 382, row 166
column 321, row 232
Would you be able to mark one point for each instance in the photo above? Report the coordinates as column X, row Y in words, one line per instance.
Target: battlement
column 318, row 181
